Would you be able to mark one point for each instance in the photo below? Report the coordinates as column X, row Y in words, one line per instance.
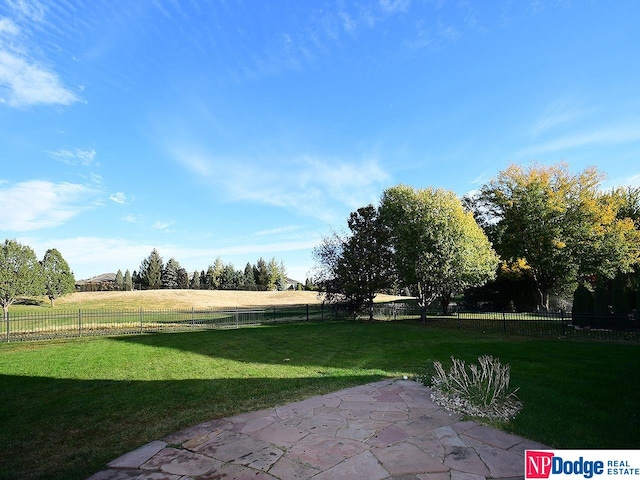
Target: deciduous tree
column 559, row 223
column 353, row 268
column 439, row 248
column 58, row 277
column 20, row 273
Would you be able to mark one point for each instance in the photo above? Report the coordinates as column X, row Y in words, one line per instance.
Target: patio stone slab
column 139, row 456
column 387, row 430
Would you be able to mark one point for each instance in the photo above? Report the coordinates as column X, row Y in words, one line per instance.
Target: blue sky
column 247, row 129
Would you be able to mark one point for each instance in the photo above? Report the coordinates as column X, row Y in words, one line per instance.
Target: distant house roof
column 103, row 278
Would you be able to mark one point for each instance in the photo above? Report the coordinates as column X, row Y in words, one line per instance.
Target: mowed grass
column 69, row 407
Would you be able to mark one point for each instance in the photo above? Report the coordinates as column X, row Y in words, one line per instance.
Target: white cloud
column 312, row 186
column 7, row 27
column 31, row 9
column 161, row 225
column 37, row 204
column 277, row 231
column 632, row 181
column 558, row 114
column 78, row 156
column 26, row 83
column 605, row 136
column 118, row 197
column 393, row 6
column 89, row 256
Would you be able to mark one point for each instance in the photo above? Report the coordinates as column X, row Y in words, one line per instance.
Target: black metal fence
column 550, row 325
column 78, row 323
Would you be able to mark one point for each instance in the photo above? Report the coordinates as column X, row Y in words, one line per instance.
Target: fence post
column 79, row 322
column 8, row 329
column 141, row 320
column 307, row 312
column 193, row 317
column 504, row 322
column 564, row 334
column 235, row 317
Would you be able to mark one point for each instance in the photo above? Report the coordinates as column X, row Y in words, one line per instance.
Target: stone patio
column 384, row 430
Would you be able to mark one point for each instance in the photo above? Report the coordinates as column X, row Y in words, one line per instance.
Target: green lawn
column 68, row 407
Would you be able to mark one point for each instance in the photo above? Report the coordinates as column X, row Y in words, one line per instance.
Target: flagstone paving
column 380, row 431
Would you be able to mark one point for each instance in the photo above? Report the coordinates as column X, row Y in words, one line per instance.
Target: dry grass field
column 176, row 299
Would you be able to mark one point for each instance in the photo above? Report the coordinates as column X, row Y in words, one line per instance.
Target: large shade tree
column 58, row 277
column 354, row 267
column 439, row 248
column 560, row 224
column 20, row 273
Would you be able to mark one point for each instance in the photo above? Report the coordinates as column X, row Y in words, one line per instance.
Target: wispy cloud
column 162, row 225
column 560, row 113
column 24, row 80
column 604, row 136
column 118, row 197
column 277, row 231
column 310, row 185
column 37, row 204
column 117, row 253
column 78, row 156
column 31, row 9
column 394, row 6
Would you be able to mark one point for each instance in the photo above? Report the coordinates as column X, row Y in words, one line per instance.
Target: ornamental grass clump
column 480, row 391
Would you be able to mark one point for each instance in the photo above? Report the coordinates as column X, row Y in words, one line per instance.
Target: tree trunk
column 445, row 300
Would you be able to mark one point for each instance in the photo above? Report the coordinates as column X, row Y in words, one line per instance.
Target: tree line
column 22, row 274
column 154, row 273
column 532, row 238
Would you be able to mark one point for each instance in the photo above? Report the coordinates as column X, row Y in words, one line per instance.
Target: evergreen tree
column 170, row 274
column 249, row 280
column 195, row 281
column 273, row 274
column 58, row 277
column 261, row 273
column 151, row 270
column 127, row 282
column 203, row 281
column 183, row 279
column 136, row 281
column 119, row 281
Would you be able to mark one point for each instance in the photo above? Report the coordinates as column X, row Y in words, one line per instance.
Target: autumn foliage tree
column 560, row 224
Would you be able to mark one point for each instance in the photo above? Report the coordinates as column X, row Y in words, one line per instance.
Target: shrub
column 480, row 391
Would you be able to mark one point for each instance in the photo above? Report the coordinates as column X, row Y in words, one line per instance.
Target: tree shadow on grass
column 69, row 429
column 344, row 345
